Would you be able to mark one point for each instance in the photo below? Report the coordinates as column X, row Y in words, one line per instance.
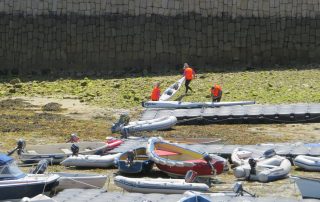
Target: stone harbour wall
column 106, row 36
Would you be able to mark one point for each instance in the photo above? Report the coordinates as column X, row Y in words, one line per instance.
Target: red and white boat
column 177, row 161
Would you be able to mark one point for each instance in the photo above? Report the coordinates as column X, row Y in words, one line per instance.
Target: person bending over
column 216, row 93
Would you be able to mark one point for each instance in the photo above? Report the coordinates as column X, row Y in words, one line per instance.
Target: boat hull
column 172, row 158
column 56, row 153
column 150, row 125
column 92, row 161
column 139, row 161
column 158, row 185
column 307, row 162
column 309, row 187
column 80, row 181
column 136, row 167
column 27, row 188
column 202, row 169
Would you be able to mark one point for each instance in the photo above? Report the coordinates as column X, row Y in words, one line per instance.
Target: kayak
column 169, row 92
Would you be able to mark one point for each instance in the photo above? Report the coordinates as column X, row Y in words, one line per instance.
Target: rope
column 80, row 182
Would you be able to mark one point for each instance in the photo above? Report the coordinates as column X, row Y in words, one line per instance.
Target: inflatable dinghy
column 240, row 155
column 307, row 162
column 92, row 161
column 180, row 105
column 169, row 92
column 126, row 127
column 177, row 161
column 158, row 185
column 56, row 153
column 267, row 170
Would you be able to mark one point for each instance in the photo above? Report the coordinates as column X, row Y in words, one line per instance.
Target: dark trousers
column 217, row 99
column 187, row 85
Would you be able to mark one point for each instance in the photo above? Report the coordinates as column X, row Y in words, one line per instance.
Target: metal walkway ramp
column 284, row 113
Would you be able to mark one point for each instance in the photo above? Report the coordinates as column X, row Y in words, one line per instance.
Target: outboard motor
column 208, row 159
column 41, row 167
column 130, row 158
column 269, row 153
column 123, row 120
column 191, row 176
column 252, row 164
column 238, row 189
column 75, row 149
column 21, row 144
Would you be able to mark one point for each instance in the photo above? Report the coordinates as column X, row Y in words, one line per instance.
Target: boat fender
column 239, row 172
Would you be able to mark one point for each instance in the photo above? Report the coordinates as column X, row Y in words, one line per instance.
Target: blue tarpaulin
column 5, row 159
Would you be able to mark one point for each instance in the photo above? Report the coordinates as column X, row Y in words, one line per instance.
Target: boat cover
column 5, row 159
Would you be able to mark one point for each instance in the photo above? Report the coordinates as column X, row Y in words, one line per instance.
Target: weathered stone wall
column 43, row 36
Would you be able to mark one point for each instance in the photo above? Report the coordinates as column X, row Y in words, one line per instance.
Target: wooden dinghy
column 134, row 161
column 169, row 92
column 56, row 153
column 158, row 185
column 177, row 161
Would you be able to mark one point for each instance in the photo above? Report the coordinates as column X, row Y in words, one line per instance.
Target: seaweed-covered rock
column 15, row 81
column 12, row 90
column 52, row 106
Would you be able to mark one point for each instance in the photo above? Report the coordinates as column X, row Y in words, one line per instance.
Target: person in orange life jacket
column 155, row 95
column 189, row 74
column 216, row 93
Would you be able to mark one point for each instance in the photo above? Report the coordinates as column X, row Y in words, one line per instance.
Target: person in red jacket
column 155, row 95
column 216, row 93
column 189, row 74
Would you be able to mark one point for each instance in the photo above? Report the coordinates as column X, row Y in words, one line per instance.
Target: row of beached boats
column 171, row 158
